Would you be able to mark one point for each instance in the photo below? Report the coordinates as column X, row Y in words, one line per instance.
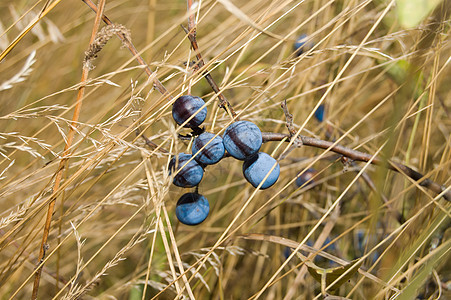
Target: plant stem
column 66, row 152
column 191, row 32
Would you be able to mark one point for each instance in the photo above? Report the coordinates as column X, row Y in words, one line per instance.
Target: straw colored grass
column 113, row 231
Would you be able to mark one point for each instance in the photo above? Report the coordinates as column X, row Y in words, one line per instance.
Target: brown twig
column 191, row 33
column 66, row 152
column 291, row 130
column 149, row 143
column 361, row 156
column 345, row 160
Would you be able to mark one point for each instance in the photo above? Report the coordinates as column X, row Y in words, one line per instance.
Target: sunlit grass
column 114, row 232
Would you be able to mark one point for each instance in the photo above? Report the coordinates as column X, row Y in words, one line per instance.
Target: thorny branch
column 361, row 156
column 346, row 161
column 289, row 117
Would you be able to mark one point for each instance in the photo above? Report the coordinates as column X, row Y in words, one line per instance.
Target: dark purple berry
column 258, row 166
column 212, row 153
column 306, row 178
column 192, row 209
column 319, row 113
column 302, row 44
column 185, row 107
column 242, row 139
column 189, row 175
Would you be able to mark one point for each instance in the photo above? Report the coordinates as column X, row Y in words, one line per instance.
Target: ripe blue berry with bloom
column 186, row 106
column 189, row 175
column 242, row 139
column 303, row 180
column 213, row 151
column 258, row 166
column 301, row 45
column 192, row 209
column 319, row 113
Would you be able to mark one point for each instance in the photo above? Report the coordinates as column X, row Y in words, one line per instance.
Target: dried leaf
column 342, row 273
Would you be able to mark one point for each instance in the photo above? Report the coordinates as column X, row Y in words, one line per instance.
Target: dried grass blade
column 28, row 29
column 243, row 17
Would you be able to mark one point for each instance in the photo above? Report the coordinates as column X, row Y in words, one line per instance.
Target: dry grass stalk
column 385, row 93
column 22, row 75
column 65, row 157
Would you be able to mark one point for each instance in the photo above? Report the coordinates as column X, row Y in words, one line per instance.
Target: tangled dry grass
column 113, row 231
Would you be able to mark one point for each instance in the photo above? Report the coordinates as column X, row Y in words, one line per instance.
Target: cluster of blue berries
column 242, row 140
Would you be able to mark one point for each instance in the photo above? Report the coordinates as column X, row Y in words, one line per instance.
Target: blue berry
column 319, row 113
column 306, row 176
column 242, row 139
column 186, row 106
column 301, row 45
column 190, row 175
column 212, row 153
column 331, row 247
column 258, row 166
column 192, row 209
column 287, row 252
